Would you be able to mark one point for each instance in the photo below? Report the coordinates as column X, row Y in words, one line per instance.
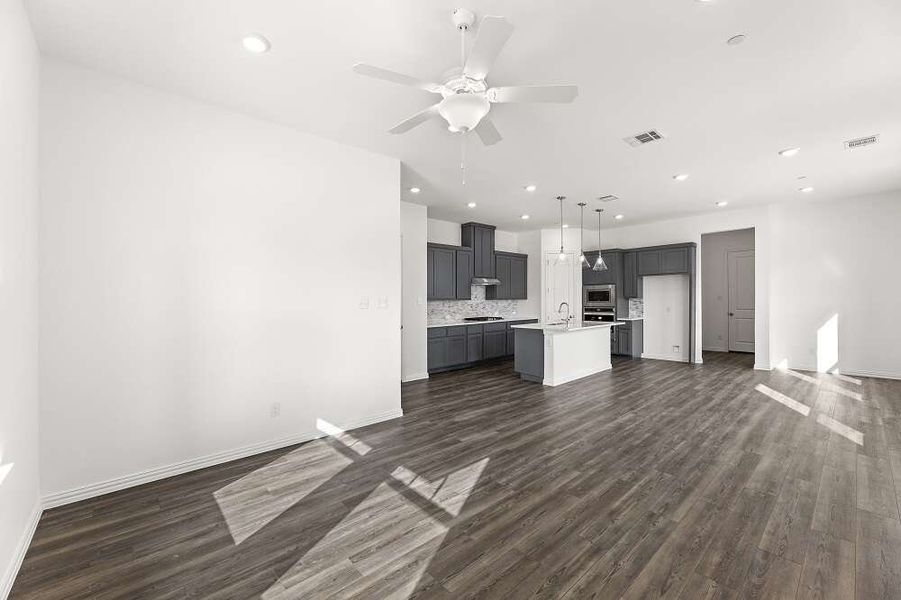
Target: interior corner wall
column 197, row 303
column 414, row 231
column 714, row 253
column 690, row 229
column 529, row 242
column 19, row 465
column 835, row 285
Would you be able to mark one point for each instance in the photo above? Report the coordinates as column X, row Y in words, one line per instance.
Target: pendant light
column 600, row 265
column 562, row 255
column 582, row 260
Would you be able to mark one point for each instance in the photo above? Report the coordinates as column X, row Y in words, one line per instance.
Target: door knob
column 731, row 314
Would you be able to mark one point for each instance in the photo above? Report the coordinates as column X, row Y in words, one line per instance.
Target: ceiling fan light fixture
column 256, row 43
column 463, row 111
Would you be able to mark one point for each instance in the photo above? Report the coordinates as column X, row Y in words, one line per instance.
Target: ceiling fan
column 467, row 98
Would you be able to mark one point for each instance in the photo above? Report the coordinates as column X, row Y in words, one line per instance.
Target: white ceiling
column 810, row 74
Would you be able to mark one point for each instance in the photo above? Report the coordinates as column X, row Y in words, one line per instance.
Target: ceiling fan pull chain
column 463, row 157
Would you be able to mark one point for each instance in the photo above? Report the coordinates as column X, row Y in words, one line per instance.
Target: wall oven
column 599, row 296
column 594, row 315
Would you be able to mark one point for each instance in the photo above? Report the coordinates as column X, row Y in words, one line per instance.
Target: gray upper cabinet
column 512, row 271
column 663, row 261
column 630, row 275
column 448, row 272
column 480, row 238
column 463, row 274
column 442, row 273
column 649, row 262
column 613, row 260
column 674, row 260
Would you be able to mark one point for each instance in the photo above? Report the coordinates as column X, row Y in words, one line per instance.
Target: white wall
column 837, row 259
column 19, row 480
column 192, row 278
column 666, row 326
column 715, row 248
column 413, row 228
column 690, row 229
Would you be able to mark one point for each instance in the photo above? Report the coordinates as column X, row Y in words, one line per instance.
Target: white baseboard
column 12, row 569
column 578, row 375
column 875, row 374
column 156, row 473
column 758, row 367
column 414, row 377
column 715, row 349
column 668, row 357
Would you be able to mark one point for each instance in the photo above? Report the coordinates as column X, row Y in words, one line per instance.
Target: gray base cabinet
column 627, row 339
column 460, row 346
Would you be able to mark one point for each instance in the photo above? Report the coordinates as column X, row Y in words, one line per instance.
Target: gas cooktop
column 483, row 319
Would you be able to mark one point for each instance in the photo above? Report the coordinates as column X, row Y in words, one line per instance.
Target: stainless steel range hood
column 485, row 281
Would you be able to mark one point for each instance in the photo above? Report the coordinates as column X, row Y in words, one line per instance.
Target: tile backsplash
column 636, row 307
column 440, row 311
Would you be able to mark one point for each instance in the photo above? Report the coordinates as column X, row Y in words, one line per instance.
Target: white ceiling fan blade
column 493, row 34
column 533, row 93
column 417, row 119
column 394, row 77
column 488, row 133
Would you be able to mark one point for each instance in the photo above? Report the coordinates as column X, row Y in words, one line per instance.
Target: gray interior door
column 741, row 300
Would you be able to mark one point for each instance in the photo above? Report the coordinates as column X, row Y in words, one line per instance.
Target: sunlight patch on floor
column 826, row 385
column 352, row 558
column 449, row 492
column 258, row 498
column 335, row 432
column 783, row 399
column 837, row 374
column 840, row 428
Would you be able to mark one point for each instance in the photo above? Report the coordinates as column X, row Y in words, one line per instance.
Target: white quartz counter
column 561, row 329
column 630, row 318
column 456, row 323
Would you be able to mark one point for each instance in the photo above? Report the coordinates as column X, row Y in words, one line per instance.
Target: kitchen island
column 557, row 354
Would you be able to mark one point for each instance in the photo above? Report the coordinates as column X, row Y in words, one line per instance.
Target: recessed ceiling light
column 806, row 190
column 618, row 217
column 256, row 43
column 722, row 203
column 681, row 177
column 789, row 151
column 415, row 190
column 531, row 187
column 735, row 40
column 471, row 205
column 524, row 217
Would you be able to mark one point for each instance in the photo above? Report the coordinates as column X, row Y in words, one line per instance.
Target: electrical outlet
column 676, row 348
column 364, row 303
column 275, row 410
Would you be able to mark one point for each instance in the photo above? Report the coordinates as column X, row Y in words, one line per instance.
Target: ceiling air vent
column 861, row 142
column 608, row 198
column 639, row 139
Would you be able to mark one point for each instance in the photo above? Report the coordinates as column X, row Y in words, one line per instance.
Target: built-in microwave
column 599, row 296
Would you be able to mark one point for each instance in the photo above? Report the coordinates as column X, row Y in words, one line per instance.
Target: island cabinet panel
column 480, row 238
column 463, row 267
column 512, row 271
column 495, row 344
column 630, row 275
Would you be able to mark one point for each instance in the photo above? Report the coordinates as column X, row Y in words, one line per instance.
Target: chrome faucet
column 568, row 312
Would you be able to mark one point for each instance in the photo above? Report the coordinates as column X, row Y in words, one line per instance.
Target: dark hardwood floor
column 653, row 480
